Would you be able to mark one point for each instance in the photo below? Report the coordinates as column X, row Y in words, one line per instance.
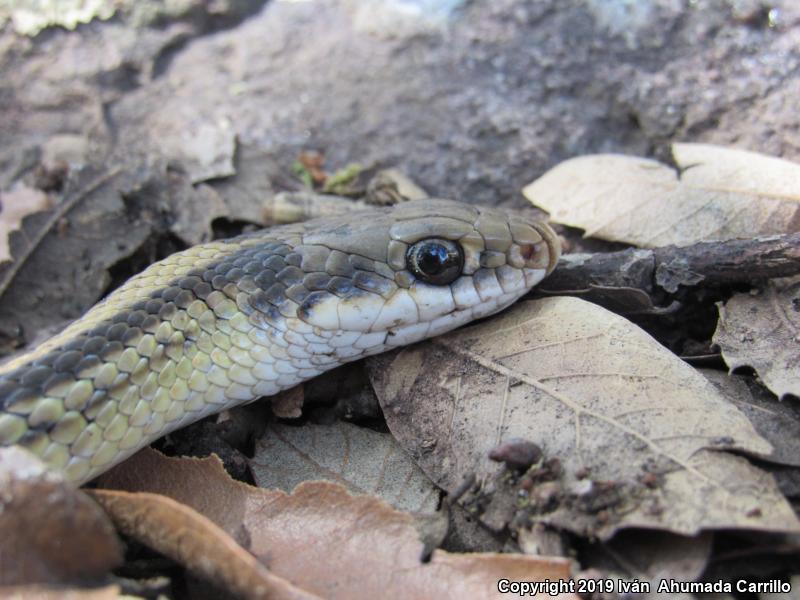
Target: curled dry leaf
column 763, row 331
column 324, row 540
column 191, row 539
column 362, row 460
column 387, row 187
column 50, row 532
column 637, row 432
column 778, row 422
column 719, row 193
column 14, row 206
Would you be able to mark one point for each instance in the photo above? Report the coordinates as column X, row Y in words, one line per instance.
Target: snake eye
column 435, row 261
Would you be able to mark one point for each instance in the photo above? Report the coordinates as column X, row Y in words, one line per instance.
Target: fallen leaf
column 362, row 460
column 636, row 432
column 238, row 198
column 653, row 556
column 204, row 148
column 189, row 538
column 61, row 258
column 321, row 538
column 720, row 193
column 763, row 331
column 778, row 422
column 15, row 204
column 50, row 532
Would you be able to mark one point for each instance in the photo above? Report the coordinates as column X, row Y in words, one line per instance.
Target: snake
column 227, row 322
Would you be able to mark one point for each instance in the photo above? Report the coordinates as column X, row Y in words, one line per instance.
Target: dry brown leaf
column 14, row 206
column 763, row 331
column 201, row 484
column 61, row 257
column 323, row 539
column 50, row 532
column 721, row 193
column 191, row 539
column 362, row 460
column 778, row 422
column 239, row 197
column 638, row 433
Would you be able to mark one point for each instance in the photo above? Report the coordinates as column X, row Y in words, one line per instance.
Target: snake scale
column 230, row 321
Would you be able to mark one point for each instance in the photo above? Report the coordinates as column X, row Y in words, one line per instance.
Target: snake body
column 227, row 322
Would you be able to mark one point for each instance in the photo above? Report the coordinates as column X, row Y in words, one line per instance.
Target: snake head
column 423, row 268
column 226, row 322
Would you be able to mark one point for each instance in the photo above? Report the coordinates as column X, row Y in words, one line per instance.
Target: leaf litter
column 778, row 422
column 51, row 533
column 38, row 287
column 31, row 592
column 596, row 497
column 212, row 200
column 190, row 539
column 362, row 460
column 652, row 556
column 717, row 193
column 325, row 541
column 762, row 330
column 638, row 435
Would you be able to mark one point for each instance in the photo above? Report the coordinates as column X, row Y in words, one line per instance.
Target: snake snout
column 539, row 246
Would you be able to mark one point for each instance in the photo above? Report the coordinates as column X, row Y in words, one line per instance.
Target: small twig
column 661, row 272
column 734, row 261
